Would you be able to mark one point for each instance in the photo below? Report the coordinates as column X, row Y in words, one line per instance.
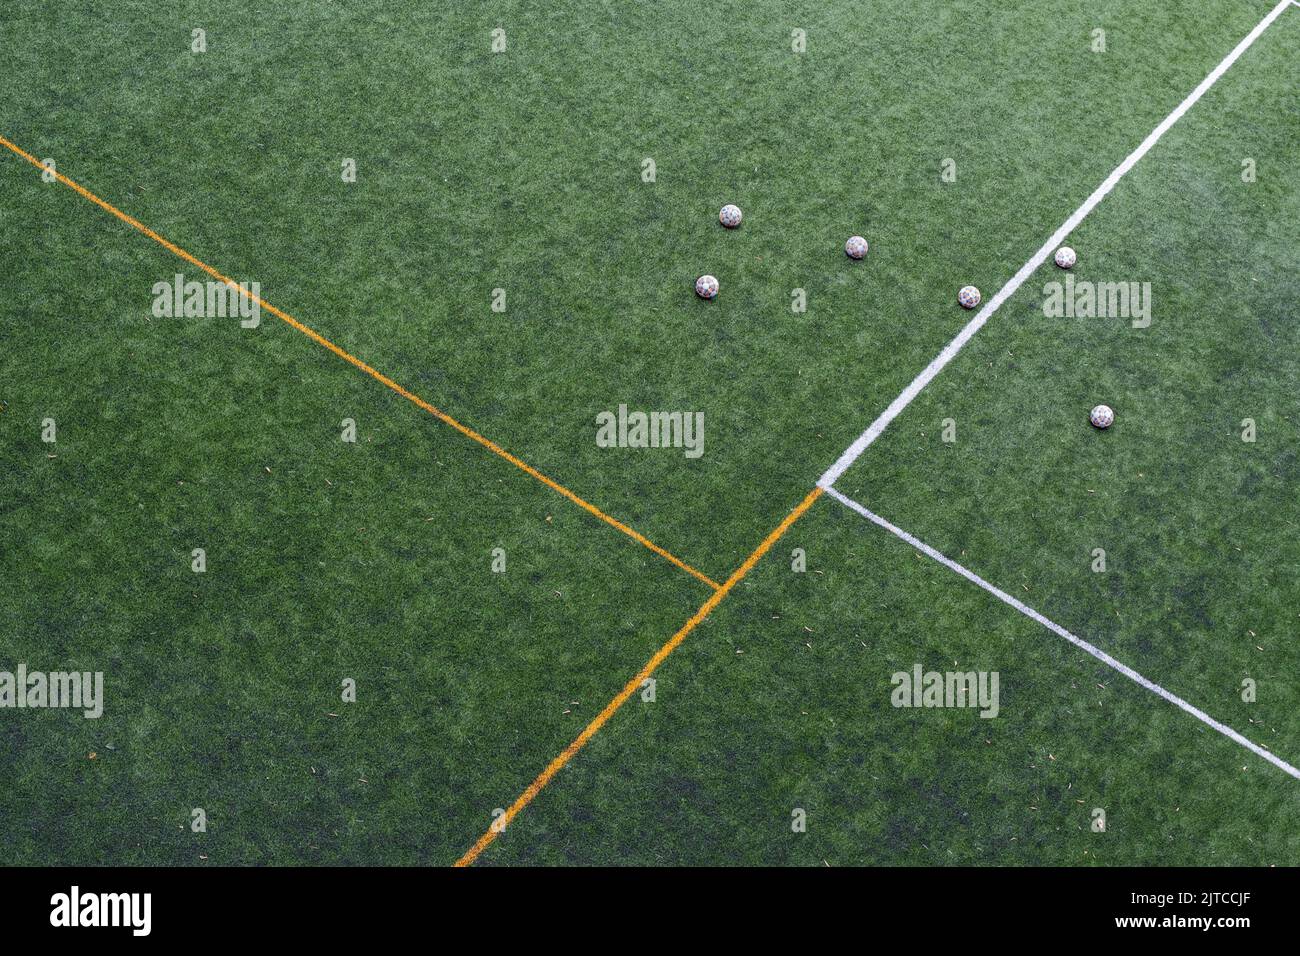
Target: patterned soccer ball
column 856, row 247
column 1103, row 416
column 1066, row 257
column 730, row 216
column 969, row 297
column 706, row 287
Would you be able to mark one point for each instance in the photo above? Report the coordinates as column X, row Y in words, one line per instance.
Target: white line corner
column 905, row 398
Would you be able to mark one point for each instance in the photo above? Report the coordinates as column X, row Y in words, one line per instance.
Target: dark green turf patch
column 325, row 561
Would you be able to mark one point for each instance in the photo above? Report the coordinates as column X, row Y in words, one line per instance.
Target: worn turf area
column 520, row 177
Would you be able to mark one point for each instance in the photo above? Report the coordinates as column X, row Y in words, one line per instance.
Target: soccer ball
column 1103, row 416
column 1066, row 257
column 730, row 216
column 856, row 247
column 706, row 287
column 969, row 297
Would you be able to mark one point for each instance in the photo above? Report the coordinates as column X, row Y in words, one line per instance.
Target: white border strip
column 873, row 431
column 1078, row 642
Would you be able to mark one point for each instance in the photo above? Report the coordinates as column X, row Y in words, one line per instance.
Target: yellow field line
column 378, row 377
column 632, row 685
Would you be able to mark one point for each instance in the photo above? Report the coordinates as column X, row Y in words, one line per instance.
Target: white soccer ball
column 706, row 287
column 969, row 297
column 856, row 247
column 1066, row 257
column 1103, row 416
column 730, row 216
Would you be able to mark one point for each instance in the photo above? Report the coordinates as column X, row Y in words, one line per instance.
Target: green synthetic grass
column 1198, row 525
column 522, row 171
column 782, row 702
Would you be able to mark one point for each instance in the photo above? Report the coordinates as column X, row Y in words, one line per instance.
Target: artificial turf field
column 523, row 170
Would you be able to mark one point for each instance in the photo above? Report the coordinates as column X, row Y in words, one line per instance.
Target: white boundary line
column 1078, row 642
column 906, row 397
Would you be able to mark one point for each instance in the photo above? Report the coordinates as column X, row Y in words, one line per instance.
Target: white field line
column 1055, row 628
column 905, row 398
